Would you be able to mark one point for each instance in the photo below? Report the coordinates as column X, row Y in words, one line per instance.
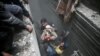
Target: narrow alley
column 78, row 27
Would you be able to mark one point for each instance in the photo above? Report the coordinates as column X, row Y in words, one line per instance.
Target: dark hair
column 43, row 20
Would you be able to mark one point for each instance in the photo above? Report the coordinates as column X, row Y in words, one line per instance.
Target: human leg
column 6, row 37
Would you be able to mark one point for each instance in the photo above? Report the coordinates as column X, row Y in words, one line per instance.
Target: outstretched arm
column 11, row 20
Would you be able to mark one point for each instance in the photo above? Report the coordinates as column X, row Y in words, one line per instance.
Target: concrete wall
column 93, row 4
column 84, row 37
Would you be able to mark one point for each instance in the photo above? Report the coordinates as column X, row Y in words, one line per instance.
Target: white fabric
column 48, row 26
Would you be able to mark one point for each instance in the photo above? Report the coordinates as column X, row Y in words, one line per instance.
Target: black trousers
column 6, row 39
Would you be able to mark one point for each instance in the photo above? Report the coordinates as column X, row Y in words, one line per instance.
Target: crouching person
column 8, row 22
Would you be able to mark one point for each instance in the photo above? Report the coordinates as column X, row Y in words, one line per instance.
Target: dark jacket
column 7, row 19
column 16, row 2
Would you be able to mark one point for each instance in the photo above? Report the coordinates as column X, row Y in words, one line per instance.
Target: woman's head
column 43, row 20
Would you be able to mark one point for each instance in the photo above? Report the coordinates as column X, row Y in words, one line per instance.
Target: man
column 8, row 21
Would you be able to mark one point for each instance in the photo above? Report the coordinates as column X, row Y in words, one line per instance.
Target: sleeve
column 18, row 2
column 12, row 20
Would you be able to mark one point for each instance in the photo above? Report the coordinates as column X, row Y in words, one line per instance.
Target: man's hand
column 6, row 54
column 29, row 28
